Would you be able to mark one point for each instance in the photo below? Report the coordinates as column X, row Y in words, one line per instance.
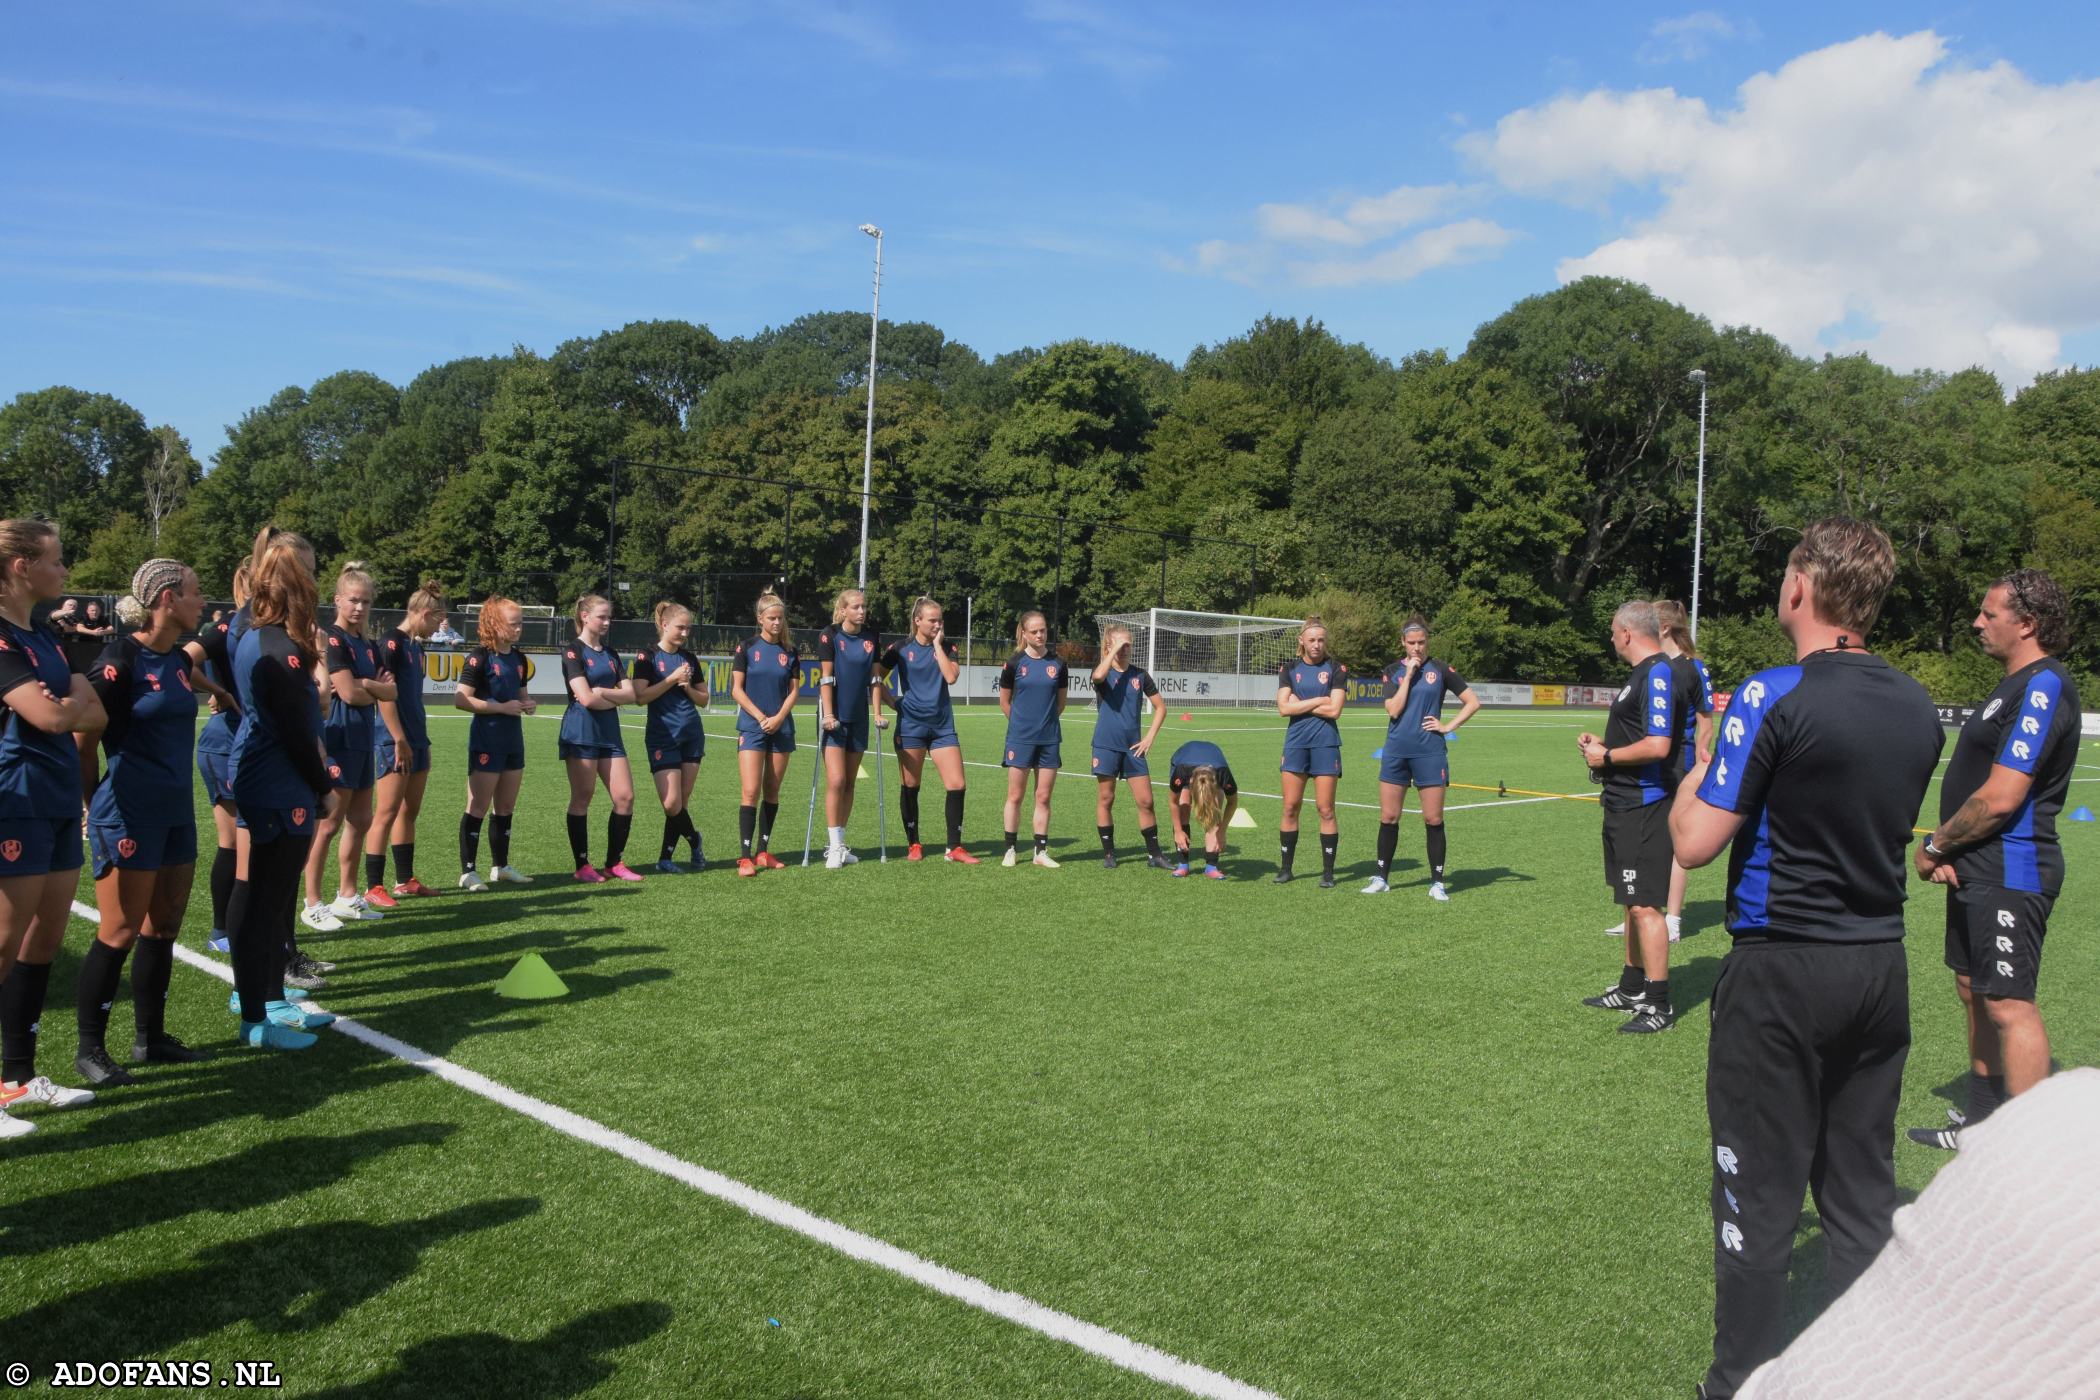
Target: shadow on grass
column 295, row 1280
column 1692, row 983
column 1460, row 881
column 256, row 1176
column 569, row 1360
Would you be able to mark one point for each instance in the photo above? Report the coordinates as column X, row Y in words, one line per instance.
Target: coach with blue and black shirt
column 1995, row 847
column 1816, row 777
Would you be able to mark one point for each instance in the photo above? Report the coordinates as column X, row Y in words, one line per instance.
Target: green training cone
column 1240, row 818
column 530, row 979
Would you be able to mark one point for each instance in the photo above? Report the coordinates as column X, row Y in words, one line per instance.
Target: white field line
column 1112, row 1347
column 1244, row 792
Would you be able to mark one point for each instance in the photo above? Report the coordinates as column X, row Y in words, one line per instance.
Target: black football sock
column 672, row 831
column 1013, row 840
column 1181, row 853
column 580, row 838
column 767, row 811
column 1986, row 1093
column 908, row 807
column 1659, row 993
column 404, row 862
column 1151, row 835
column 1433, row 845
column 746, row 824
column 101, row 967
column 1108, row 838
column 955, row 816
column 469, row 841
column 1328, row 842
column 617, row 825
column 1289, row 843
column 1042, row 842
column 1388, row 842
column 375, row 871
column 247, row 941
column 223, row 864
column 499, row 837
column 152, row 968
column 21, row 1009
column 1631, row 980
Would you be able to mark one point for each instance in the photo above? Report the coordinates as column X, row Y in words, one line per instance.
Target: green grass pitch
column 1324, row 1144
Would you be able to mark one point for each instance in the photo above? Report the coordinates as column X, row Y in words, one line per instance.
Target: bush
column 1362, row 631
column 1735, row 648
column 1963, row 676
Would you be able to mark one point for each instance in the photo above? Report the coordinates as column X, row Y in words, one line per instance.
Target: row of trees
column 1514, row 494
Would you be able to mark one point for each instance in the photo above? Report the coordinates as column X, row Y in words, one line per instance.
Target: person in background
column 1415, row 752
column 765, row 676
column 1205, row 795
column 402, row 759
column 1310, row 693
column 1121, row 692
column 590, row 744
column 351, row 734
column 1032, row 695
column 846, row 663
column 672, row 683
column 925, row 665
column 492, row 689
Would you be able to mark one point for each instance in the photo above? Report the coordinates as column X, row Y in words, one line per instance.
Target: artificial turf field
column 1322, row 1144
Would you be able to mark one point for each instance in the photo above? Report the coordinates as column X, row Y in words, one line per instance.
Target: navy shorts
column 39, row 846
column 218, row 782
column 756, row 740
column 119, row 847
column 506, row 761
column 925, row 735
column 1425, row 769
column 667, row 754
column 383, row 757
column 350, row 772
column 1033, row 756
column 1323, row 762
column 1120, row 763
column 851, row 735
column 271, row 823
column 592, row 752
column 1994, row 938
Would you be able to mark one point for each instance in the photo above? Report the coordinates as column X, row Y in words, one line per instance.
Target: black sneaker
column 1159, row 862
column 1283, row 876
column 1650, row 1019
column 97, row 1068
column 164, row 1050
column 1326, row 879
column 1945, row 1139
column 1616, row 1000
column 304, row 975
column 1108, row 860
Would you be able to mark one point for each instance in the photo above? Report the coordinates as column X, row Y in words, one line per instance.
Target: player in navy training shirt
column 1414, row 753
column 142, row 826
column 765, row 676
column 590, row 744
column 923, row 665
column 402, row 758
column 1205, row 795
column 1697, row 739
column 846, row 657
column 492, row 688
column 351, row 733
column 1121, row 691
column 1310, row 693
column 1032, row 690
column 282, row 789
column 1996, row 848
column 672, row 682
column 215, row 747
column 1636, row 760
column 45, row 704
column 1815, row 781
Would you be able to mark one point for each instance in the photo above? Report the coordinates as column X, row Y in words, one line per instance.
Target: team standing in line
column 1831, row 757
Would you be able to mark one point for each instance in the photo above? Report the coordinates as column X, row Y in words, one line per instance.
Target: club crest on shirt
column 867, row 648
column 1429, row 679
column 1323, row 678
column 298, row 816
column 1053, row 670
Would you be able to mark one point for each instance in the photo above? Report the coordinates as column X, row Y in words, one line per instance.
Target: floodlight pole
column 867, row 459
column 1698, row 376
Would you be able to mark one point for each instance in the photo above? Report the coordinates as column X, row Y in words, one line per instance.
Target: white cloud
column 1869, row 196
column 1354, row 223
column 1691, row 37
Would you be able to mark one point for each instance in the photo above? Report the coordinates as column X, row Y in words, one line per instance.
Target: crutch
column 882, row 818
column 809, row 823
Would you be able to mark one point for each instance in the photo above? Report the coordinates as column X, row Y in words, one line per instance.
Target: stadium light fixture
column 867, row 456
column 1698, row 376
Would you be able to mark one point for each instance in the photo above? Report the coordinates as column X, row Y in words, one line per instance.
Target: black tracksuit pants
column 1803, row 1072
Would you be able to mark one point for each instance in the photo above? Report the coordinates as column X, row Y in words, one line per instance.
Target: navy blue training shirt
column 497, row 676
column 1307, row 680
column 152, row 729
column 1036, row 682
column 599, row 667
column 1827, row 761
column 351, row 729
column 218, row 641
column 276, row 764
column 39, row 772
column 1119, row 708
column 852, row 657
column 401, row 661
column 922, row 691
column 672, row 715
column 771, row 673
column 1433, row 682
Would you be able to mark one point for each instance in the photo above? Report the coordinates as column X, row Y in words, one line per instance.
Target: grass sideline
column 1324, row 1144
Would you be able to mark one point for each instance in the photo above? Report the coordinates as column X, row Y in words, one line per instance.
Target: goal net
column 1203, row 658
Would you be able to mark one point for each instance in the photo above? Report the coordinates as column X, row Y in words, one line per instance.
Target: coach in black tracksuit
column 1816, row 778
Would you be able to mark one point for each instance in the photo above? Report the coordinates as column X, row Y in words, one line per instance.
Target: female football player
column 590, row 744
column 1032, row 692
column 1310, row 692
column 492, row 689
column 765, row 676
column 924, row 664
column 671, row 681
column 1414, row 754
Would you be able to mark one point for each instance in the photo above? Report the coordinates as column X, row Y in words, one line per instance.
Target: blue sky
column 207, row 200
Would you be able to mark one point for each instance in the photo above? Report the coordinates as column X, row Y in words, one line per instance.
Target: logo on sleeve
column 293, row 661
column 1662, row 682
column 2021, row 749
column 2037, row 699
column 1753, row 695
column 109, row 673
column 2030, row 725
column 1733, row 730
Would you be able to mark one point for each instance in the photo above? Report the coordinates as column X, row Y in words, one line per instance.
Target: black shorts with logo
column 1637, row 855
column 1994, row 938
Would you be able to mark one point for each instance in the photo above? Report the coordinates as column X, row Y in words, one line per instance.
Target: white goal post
column 1202, row 658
